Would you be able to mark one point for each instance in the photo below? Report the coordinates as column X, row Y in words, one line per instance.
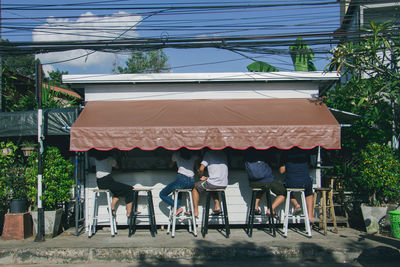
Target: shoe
column 316, row 220
column 297, row 211
column 114, row 213
column 275, row 215
column 257, row 212
column 216, row 212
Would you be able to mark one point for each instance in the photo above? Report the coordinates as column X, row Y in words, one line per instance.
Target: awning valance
column 238, row 123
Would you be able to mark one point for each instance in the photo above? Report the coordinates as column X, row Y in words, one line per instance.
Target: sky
column 81, row 20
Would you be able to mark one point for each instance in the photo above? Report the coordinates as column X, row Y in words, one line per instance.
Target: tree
column 146, row 62
column 372, row 92
column 302, row 56
column 260, row 66
column 22, row 64
column 55, row 78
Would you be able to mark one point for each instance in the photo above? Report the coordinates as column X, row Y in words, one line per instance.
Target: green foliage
column 24, row 64
column 57, row 178
column 371, row 92
column 146, row 62
column 56, row 78
column 380, row 174
column 302, row 56
column 260, row 66
column 12, row 180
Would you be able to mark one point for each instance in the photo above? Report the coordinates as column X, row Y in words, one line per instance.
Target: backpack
column 258, row 170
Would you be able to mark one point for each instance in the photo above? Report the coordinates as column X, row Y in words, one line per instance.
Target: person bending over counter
column 216, row 163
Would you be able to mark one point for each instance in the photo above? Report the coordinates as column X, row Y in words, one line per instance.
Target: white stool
column 172, row 213
column 303, row 216
column 93, row 218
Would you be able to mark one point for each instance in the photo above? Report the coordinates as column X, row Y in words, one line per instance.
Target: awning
column 237, row 123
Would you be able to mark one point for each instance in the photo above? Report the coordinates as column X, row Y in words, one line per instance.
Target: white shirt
column 185, row 166
column 216, row 163
column 104, row 167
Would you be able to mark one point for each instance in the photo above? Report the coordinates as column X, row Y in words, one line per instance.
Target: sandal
column 297, row 211
column 274, row 214
column 216, row 212
column 257, row 212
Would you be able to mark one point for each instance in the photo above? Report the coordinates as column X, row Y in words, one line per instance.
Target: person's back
column 297, row 171
column 217, row 166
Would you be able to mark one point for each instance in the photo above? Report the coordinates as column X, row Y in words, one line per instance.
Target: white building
column 147, row 116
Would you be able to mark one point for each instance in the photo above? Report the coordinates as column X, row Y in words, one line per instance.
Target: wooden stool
column 251, row 212
column 94, row 217
column 224, row 211
column 325, row 202
column 304, row 216
column 339, row 200
column 150, row 214
column 189, row 207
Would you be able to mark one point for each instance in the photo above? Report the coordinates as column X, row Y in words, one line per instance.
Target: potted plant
column 57, row 184
column 27, row 147
column 17, row 189
column 380, row 177
column 7, row 148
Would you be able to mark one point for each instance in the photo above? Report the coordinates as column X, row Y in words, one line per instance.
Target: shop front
column 145, row 117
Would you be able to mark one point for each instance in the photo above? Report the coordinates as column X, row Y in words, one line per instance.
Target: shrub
column 57, row 178
column 379, row 174
column 8, row 159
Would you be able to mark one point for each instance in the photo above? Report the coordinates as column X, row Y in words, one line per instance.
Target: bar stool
column 302, row 216
column 150, row 214
column 189, row 206
column 224, row 211
column 251, row 214
column 94, row 216
column 338, row 195
column 325, row 202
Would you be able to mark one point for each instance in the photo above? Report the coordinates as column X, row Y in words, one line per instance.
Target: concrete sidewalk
column 347, row 246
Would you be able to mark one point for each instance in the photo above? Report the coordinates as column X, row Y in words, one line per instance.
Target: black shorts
column 117, row 189
column 275, row 186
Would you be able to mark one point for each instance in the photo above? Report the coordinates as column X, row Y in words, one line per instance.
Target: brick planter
column 17, row 226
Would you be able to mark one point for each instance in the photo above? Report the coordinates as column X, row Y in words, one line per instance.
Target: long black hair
column 185, row 153
column 100, row 155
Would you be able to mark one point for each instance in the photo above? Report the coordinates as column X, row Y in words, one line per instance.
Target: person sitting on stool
column 295, row 163
column 185, row 160
column 260, row 176
column 104, row 165
column 216, row 163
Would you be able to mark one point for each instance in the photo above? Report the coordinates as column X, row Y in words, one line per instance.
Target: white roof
column 200, row 77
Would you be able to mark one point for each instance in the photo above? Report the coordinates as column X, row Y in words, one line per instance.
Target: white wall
column 238, row 194
column 109, row 92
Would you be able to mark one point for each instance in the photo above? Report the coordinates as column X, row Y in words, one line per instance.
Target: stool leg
column 271, row 217
column 324, row 211
column 286, row 220
column 92, row 226
column 187, row 207
column 305, row 212
column 250, row 219
column 332, row 207
column 132, row 217
column 110, row 216
column 170, row 216
column 152, row 219
column 174, row 212
column 204, row 228
column 225, row 212
column 192, row 214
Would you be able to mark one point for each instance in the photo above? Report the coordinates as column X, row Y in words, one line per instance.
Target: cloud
column 86, row 27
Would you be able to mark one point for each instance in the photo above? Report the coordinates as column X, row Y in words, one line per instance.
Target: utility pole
column 1, row 70
column 40, row 234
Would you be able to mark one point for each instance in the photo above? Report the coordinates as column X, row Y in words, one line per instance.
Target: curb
column 128, row 255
